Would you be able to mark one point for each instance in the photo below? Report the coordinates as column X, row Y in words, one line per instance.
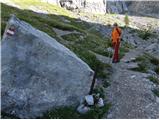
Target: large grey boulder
column 38, row 73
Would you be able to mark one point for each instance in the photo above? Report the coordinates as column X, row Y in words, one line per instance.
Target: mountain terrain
column 130, row 88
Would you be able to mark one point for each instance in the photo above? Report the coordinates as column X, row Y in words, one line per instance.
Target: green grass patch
column 156, row 69
column 141, row 68
column 147, row 62
column 71, row 113
column 99, row 90
column 154, row 61
column 8, row 116
column 123, row 50
column 3, row 25
column 68, row 113
column 91, row 60
column 144, row 34
column 38, row 21
column 154, row 79
column 106, row 83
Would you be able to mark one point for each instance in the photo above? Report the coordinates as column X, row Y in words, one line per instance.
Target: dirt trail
column 130, row 92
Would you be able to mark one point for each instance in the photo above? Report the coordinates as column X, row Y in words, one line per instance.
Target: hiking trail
column 130, row 92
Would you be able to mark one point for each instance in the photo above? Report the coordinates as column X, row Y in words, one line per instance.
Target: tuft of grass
column 156, row 92
column 71, row 113
column 154, row 61
column 8, row 116
column 3, row 25
column 141, row 68
column 154, row 79
column 103, row 52
column 68, row 112
column 144, row 35
column 61, row 113
column 146, row 62
column 123, row 51
column 99, row 90
column 156, row 69
column 140, row 58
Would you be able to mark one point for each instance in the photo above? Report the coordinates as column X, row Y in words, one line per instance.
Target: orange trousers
column 116, row 52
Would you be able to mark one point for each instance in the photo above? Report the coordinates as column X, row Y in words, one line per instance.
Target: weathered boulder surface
column 38, row 73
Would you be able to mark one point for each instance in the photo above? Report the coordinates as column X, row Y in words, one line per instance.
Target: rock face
column 38, row 73
column 117, row 6
column 144, row 8
column 95, row 6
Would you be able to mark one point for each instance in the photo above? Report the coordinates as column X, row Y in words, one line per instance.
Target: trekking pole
column 109, row 57
column 93, row 82
column 112, row 54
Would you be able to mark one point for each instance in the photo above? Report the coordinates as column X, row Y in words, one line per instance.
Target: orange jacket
column 116, row 35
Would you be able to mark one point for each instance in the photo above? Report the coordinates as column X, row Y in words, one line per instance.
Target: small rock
column 132, row 59
column 100, row 102
column 89, row 99
column 133, row 76
column 83, row 109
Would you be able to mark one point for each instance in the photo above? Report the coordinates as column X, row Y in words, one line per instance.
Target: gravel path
column 131, row 92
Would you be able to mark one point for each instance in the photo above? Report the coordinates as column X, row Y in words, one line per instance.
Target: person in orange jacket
column 116, row 37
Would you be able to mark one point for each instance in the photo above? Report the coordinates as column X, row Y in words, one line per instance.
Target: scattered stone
column 65, row 20
column 89, row 99
column 133, row 76
column 132, row 59
column 100, row 102
column 82, row 109
column 60, row 32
